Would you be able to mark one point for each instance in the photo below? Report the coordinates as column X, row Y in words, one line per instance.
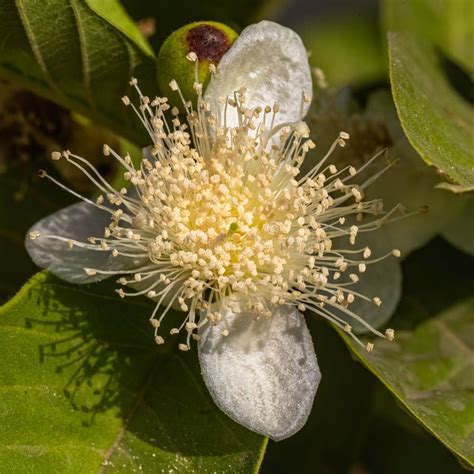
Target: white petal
column 381, row 279
column 460, row 231
column 264, row 374
column 271, row 62
column 78, row 222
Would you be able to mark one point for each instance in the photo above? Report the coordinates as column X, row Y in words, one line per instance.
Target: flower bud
column 204, row 41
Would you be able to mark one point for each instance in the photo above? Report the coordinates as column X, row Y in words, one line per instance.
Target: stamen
column 217, row 214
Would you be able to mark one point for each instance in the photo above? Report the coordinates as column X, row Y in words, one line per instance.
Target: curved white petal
column 381, row 279
column 78, row 221
column 271, row 62
column 460, row 231
column 264, row 374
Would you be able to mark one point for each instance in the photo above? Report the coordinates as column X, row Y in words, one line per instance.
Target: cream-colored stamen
column 221, row 215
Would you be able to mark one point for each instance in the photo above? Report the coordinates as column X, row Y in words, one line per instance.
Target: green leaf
column 328, row 42
column 113, row 12
column 85, row 389
column 448, row 23
column 80, row 54
column 431, row 372
column 436, row 120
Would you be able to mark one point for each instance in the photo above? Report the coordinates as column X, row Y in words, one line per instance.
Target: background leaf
column 80, row 54
column 84, row 386
column 436, row 120
column 430, row 369
column 327, row 42
column 448, row 23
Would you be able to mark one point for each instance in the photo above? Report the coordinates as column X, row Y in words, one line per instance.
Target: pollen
column 34, row 234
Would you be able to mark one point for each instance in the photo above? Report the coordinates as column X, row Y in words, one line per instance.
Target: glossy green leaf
column 80, row 54
column 437, row 121
column 85, row 389
column 430, row 370
column 347, row 49
column 448, row 23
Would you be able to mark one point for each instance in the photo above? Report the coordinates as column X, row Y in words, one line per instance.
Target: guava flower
column 220, row 223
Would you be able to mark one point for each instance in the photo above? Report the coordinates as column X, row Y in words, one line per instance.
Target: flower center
column 233, row 220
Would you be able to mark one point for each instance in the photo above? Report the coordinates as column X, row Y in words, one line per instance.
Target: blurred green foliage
column 166, row 17
column 348, row 49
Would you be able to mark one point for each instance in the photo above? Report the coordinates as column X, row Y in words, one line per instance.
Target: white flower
column 219, row 222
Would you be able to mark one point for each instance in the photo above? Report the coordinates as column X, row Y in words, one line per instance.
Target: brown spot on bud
column 208, row 42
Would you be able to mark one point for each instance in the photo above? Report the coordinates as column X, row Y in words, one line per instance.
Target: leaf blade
column 79, row 390
column 79, row 55
column 446, row 23
column 437, row 122
column 432, row 378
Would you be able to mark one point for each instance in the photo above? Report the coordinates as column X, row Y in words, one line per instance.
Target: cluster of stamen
column 217, row 215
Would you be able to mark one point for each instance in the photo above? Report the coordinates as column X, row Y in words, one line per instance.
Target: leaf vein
column 34, row 45
column 85, row 66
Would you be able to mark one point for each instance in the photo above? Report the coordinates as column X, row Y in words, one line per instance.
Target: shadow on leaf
column 102, row 352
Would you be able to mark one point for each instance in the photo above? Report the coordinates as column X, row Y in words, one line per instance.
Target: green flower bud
column 209, row 41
